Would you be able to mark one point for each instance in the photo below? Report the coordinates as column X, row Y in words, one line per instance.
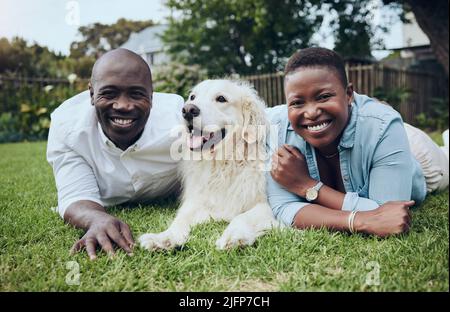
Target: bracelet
column 351, row 219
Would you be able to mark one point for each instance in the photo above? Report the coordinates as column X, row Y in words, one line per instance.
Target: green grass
column 35, row 243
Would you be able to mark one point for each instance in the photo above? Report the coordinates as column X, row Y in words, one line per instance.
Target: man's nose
column 190, row 111
column 123, row 103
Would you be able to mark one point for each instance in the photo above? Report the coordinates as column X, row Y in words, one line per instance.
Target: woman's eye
column 324, row 96
column 221, row 99
column 192, row 97
column 295, row 104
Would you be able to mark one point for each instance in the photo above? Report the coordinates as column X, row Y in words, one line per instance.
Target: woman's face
column 318, row 106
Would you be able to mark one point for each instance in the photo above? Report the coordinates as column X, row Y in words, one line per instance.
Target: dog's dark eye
column 221, row 99
column 192, row 97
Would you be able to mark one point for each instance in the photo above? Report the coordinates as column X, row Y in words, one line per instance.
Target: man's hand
column 390, row 218
column 102, row 229
column 289, row 169
column 104, row 232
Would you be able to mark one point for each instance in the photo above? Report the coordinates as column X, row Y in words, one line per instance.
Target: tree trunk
column 432, row 17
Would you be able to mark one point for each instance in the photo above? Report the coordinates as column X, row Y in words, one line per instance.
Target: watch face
column 311, row 194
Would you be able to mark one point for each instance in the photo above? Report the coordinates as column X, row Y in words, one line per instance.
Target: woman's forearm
column 390, row 218
column 327, row 197
column 317, row 216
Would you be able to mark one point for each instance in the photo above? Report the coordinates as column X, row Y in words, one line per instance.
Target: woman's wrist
column 303, row 187
column 360, row 221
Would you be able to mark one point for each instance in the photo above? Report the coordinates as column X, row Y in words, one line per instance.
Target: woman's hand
column 390, row 218
column 289, row 169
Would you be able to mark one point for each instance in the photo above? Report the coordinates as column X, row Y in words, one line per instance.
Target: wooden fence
column 421, row 87
column 21, row 82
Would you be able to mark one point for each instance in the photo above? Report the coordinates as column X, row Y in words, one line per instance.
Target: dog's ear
column 254, row 120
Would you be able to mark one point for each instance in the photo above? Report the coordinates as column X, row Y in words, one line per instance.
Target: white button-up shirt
column 88, row 166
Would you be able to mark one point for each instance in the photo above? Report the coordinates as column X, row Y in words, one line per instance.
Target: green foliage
column 353, row 29
column 436, row 118
column 26, row 108
column 257, row 36
column 244, row 37
column 98, row 38
column 177, row 78
column 393, row 97
column 17, row 57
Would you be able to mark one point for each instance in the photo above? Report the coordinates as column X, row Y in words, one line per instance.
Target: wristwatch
column 313, row 192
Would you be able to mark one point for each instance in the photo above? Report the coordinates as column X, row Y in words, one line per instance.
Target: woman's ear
column 349, row 93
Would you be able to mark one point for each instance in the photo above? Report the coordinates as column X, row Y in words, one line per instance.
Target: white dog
column 222, row 167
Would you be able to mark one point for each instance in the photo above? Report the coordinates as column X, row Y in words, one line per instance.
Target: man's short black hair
column 317, row 57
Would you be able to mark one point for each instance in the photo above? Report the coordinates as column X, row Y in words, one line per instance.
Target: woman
column 343, row 160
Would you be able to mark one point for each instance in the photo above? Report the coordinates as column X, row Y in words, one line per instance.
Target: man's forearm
column 81, row 213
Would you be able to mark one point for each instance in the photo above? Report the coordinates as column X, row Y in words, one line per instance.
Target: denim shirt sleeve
column 391, row 172
column 284, row 204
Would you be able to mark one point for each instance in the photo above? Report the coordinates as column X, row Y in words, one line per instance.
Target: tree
column 257, row 36
column 432, row 17
column 354, row 31
column 98, row 38
column 18, row 57
column 230, row 36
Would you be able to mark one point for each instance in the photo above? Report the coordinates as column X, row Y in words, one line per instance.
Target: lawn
column 35, row 243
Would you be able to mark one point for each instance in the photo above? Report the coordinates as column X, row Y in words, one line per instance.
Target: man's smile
column 122, row 122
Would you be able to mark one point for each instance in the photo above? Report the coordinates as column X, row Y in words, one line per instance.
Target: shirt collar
column 110, row 144
column 348, row 137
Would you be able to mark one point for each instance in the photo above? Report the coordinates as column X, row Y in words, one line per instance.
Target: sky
column 54, row 23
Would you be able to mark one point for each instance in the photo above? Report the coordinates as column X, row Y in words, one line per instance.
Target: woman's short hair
column 317, row 57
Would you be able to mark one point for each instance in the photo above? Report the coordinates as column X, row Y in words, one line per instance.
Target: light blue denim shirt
column 375, row 160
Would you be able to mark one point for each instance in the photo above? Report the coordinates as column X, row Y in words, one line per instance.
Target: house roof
column 147, row 40
column 412, row 48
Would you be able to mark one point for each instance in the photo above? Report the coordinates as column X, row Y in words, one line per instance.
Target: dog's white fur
column 227, row 183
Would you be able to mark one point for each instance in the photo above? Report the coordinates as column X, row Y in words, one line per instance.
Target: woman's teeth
column 122, row 121
column 318, row 127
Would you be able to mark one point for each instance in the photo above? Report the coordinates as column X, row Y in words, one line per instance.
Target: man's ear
column 349, row 92
column 91, row 92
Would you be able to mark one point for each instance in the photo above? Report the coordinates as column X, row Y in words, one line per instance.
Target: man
column 111, row 145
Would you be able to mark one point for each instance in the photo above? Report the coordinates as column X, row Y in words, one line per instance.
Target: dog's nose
column 190, row 111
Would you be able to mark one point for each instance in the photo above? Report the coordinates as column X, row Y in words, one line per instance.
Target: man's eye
column 221, row 99
column 108, row 94
column 137, row 95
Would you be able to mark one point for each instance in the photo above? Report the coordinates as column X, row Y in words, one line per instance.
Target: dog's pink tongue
column 195, row 141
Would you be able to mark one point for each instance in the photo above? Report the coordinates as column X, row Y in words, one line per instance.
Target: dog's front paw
column 162, row 241
column 235, row 237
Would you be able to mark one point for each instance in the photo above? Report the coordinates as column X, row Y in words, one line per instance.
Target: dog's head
column 215, row 108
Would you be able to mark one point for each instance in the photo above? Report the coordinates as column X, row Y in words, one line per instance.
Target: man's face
column 122, row 96
column 318, row 105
